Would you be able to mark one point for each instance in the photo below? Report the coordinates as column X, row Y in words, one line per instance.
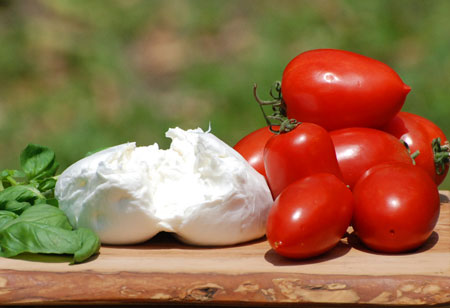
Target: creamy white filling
column 200, row 188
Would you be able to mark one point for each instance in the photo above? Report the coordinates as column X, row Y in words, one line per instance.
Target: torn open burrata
column 200, row 189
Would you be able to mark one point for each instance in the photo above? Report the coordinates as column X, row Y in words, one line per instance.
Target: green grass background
column 82, row 75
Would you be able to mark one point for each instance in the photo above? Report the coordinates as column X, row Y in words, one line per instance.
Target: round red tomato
column 251, row 147
column 419, row 133
column 303, row 151
column 310, row 216
column 338, row 89
column 396, row 207
column 360, row 148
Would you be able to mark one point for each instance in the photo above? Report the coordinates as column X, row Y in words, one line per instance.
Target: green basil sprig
column 30, row 220
column 34, row 184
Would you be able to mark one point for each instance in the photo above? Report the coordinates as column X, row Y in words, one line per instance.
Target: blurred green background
column 82, row 75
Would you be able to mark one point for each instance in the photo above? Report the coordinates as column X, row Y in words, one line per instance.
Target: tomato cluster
column 345, row 154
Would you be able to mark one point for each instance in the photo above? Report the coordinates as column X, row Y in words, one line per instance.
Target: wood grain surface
column 164, row 271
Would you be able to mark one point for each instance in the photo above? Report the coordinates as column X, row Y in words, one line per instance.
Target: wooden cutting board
column 164, row 271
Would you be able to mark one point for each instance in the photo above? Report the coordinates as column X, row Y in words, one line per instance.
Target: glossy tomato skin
column 360, row 148
column 251, row 147
column 418, row 132
column 304, row 151
column 310, row 216
column 338, row 89
column 396, row 207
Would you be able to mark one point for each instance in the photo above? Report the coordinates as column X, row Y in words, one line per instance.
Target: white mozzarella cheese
column 200, row 188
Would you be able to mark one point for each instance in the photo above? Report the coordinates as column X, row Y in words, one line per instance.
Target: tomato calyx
column 441, row 155
column 279, row 110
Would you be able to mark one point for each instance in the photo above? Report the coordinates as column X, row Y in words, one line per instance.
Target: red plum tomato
column 396, row 207
column 310, row 216
column 419, row 132
column 339, row 89
column 251, row 147
column 303, row 151
column 360, row 148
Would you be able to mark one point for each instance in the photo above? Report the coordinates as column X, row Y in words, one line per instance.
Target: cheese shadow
column 356, row 243
column 338, row 251
column 167, row 240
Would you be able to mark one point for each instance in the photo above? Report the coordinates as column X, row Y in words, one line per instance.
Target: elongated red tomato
column 304, row 151
column 419, row 133
column 310, row 216
column 360, row 148
column 251, row 147
column 338, row 89
column 396, row 207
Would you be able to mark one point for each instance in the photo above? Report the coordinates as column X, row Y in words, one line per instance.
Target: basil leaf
column 20, row 193
column 37, row 160
column 24, row 236
column 47, row 184
column 46, row 214
column 90, row 245
column 49, row 172
column 44, row 228
column 52, row 201
column 16, row 206
column 5, row 217
column 40, row 201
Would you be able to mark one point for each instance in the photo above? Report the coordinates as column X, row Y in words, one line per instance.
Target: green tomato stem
column 414, row 155
column 279, row 110
column 441, row 155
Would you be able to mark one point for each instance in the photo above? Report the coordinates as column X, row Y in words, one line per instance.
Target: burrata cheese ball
column 200, row 188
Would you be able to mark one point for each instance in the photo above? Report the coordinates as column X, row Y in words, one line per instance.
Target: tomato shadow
column 443, row 198
column 338, row 251
column 356, row 243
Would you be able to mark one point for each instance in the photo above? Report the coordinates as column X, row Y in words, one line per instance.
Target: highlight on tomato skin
column 396, row 207
column 310, row 216
column 360, row 148
column 420, row 135
column 338, row 89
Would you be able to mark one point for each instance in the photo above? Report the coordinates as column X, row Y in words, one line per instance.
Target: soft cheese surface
column 200, row 188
